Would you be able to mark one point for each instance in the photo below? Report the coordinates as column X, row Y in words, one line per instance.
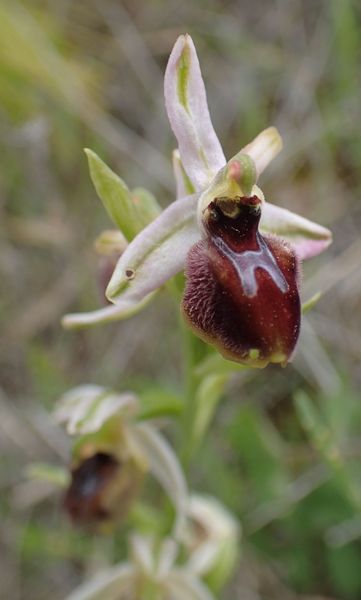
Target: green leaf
column 158, row 402
column 115, row 195
column 344, row 567
column 49, row 473
column 324, row 439
column 52, row 544
column 261, row 451
column 207, row 397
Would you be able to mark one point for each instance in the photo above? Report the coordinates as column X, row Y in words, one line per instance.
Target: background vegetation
column 284, row 451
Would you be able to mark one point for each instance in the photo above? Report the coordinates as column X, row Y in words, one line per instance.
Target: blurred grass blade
column 207, row 397
column 325, row 442
column 311, row 303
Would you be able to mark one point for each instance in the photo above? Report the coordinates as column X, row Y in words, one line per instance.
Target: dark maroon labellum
column 84, row 499
column 241, row 293
column 103, row 487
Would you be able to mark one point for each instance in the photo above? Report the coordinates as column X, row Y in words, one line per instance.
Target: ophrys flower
column 207, row 184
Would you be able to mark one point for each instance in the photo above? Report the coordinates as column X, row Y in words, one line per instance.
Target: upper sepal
column 186, row 103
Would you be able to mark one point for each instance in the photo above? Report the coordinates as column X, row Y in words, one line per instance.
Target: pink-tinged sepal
column 186, row 103
column 241, row 293
column 306, row 237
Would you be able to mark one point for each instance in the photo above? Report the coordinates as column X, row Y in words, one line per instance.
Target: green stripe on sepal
column 183, row 77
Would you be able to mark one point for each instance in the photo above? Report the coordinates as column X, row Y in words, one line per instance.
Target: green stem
column 148, row 589
column 190, row 343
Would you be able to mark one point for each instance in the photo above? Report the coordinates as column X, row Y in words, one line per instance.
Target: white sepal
column 86, row 408
column 108, row 585
column 165, row 467
column 167, row 557
column 157, row 253
column 308, row 238
column 143, row 554
column 203, row 558
column 186, row 103
column 220, row 530
column 122, row 310
column 181, row 584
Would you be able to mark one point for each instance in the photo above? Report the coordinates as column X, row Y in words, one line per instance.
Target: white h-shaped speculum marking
column 248, row 261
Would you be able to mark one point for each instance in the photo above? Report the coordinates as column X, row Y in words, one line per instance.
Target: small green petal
column 130, row 211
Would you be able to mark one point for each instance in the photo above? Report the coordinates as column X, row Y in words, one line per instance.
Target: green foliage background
column 284, row 448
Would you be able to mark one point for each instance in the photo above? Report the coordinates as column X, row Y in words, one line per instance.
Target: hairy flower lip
column 241, row 291
column 90, row 478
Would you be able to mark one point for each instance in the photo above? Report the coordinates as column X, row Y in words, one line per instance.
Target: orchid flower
column 211, row 537
column 209, row 540
column 112, row 453
column 259, row 259
column 151, row 572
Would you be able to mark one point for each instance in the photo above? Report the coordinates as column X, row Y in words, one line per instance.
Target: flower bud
column 109, row 245
column 103, row 487
column 241, row 293
column 211, row 537
column 106, row 266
